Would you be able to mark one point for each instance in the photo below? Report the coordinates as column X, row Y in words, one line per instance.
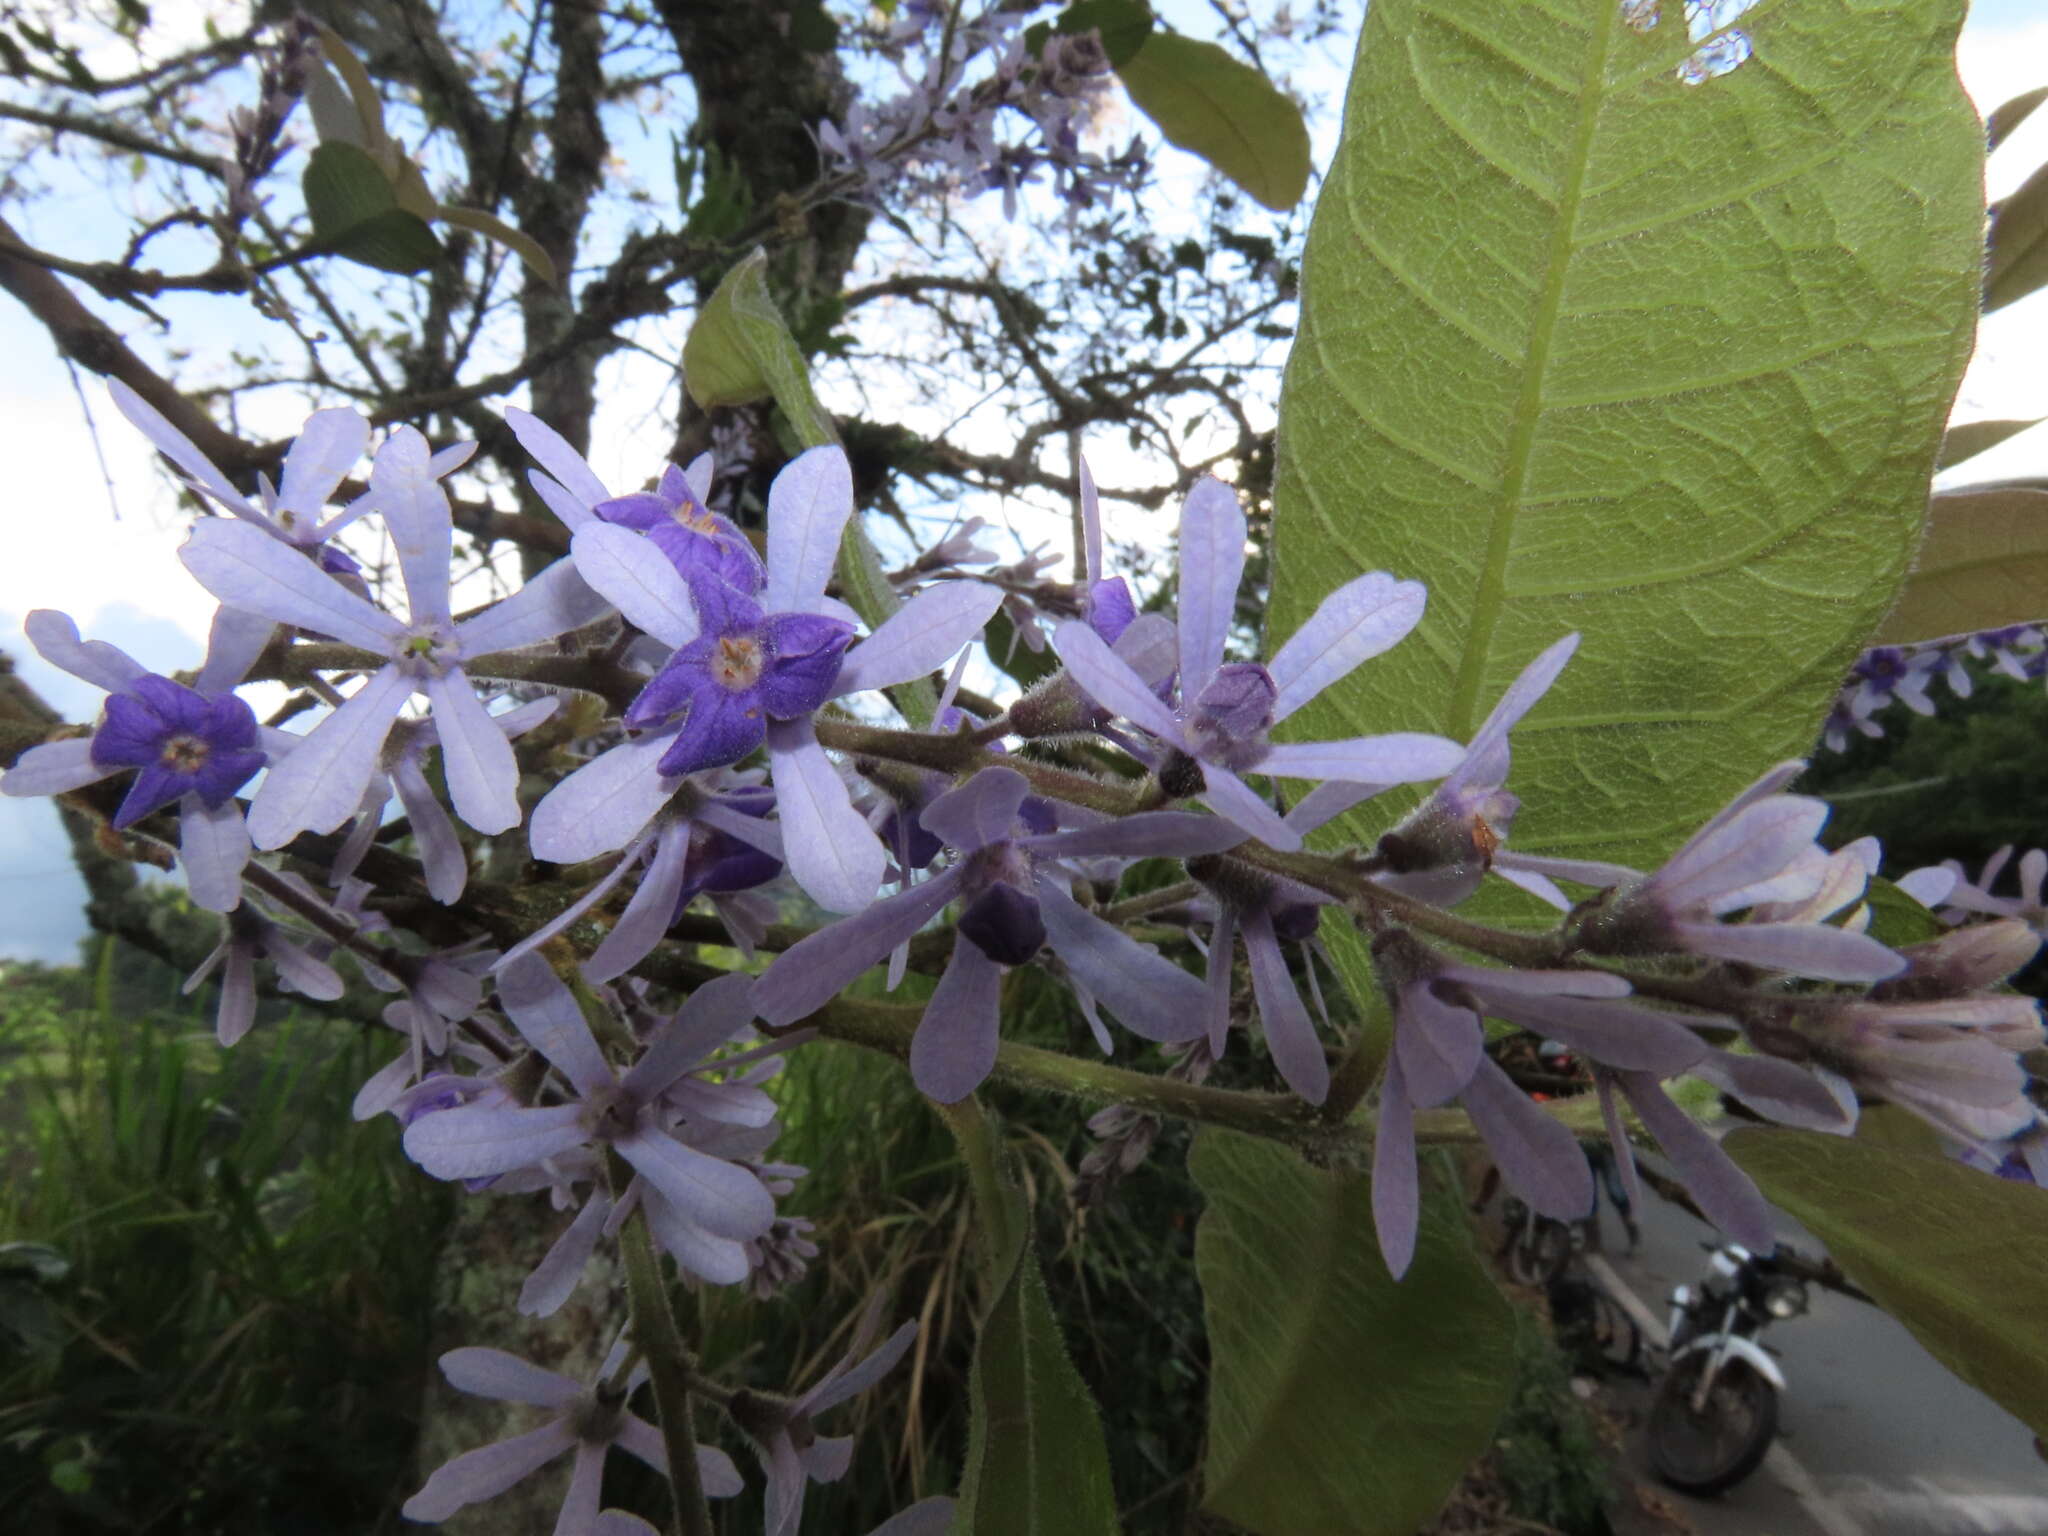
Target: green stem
column 981, row 1149
column 668, row 1364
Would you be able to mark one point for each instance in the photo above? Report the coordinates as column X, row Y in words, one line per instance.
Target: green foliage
column 739, row 351
column 1965, row 442
column 1340, row 1401
column 1984, row 566
column 242, row 1328
column 2018, row 258
column 1955, row 1256
column 1123, row 26
column 1546, row 1451
column 355, row 212
column 1210, row 104
column 1586, row 348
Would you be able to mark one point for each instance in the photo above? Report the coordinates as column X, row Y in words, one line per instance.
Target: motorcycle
column 1717, row 1410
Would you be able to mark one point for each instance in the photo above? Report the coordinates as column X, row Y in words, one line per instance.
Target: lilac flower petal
column 712, row 1015
column 487, row 1471
column 739, row 1104
column 919, row 637
column 554, row 1279
column 754, row 831
column 783, row 1505
column 98, row 662
column 318, row 460
column 827, row 1458
column 1617, row 1138
column 1326, row 802
column 574, row 514
column 603, row 805
column 810, row 973
column 1439, row 1045
column 808, row 505
column 638, row 580
column 647, row 916
column 297, row 968
column 1579, row 871
column 1401, row 757
column 1542, row 887
column 980, row 812
column 1725, row 1193
column 1110, row 681
column 552, row 603
column 54, row 767
column 723, row 1198
column 1234, row 800
column 1147, row 834
column 416, row 514
column 483, row 775
column 1396, row 1199
column 955, row 1044
column 180, row 450
column 1805, row 949
column 548, row 1018
column 1930, row 886
column 641, row 1439
column 578, row 1516
column 1362, row 618
column 837, row 1388
column 553, row 453
column 1290, row 1033
column 246, row 568
column 321, row 781
column 237, row 1012
column 832, row 852
column 233, row 642
column 480, row 1139
column 721, row 1260
column 442, row 859
column 1613, row 1034
column 1222, row 950
column 1486, row 757
column 1091, row 524
column 1539, row 1158
column 1150, row 647
column 382, row 1087
column 1753, row 845
column 808, row 649
column 506, row 1378
column 562, row 920
column 1583, row 983
column 927, row 1517
column 1212, row 534
column 1149, row 994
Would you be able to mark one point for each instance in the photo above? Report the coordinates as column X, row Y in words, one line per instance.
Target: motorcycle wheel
column 1539, row 1255
column 1713, row 1449
column 1615, row 1333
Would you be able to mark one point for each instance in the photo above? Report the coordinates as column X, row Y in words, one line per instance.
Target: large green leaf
column 1036, row 1461
column 1340, row 1402
column 1984, row 565
column 1212, row 105
column 1587, row 348
column 356, row 212
column 1956, row 1255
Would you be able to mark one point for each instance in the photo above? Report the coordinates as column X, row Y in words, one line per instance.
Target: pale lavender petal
column 237, row 1012
column 808, row 505
column 1352, row 625
column 561, row 921
column 1438, row 1043
column 578, row 1516
column 318, row 460
column 979, row 812
column 712, row 1015
column 415, row 511
column 213, row 849
column 1540, row 1159
column 1149, row 994
column 1584, row 983
column 827, row 1458
column 1326, row 802
column 1147, row 834
column 54, row 767
column 179, row 449
column 1212, row 534
column 550, row 604
column 233, row 642
column 1929, row 886
column 721, row 1260
column 1742, row 849
column 488, row 1471
column 739, row 1104
column 321, row 781
column 1614, row 1034
column 603, row 805
column 549, row 1019
column 955, row 1043
column 98, row 662
column 479, row 1139
column 1617, row 1137
column 849, row 1383
column 723, row 1198
column 1401, row 757
column 1290, row 1033
column 1396, row 1200
column 554, row 1279
column 1723, row 1191
column 647, row 916
column 1234, row 800
column 1579, row 871
column 1110, row 681
column 297, row 968
column 1486, row 758
column 637, row 579
column 832, row 852
column 442, row 860
column 483, row 775
column 1222, row 950
column 381, row 1087
column 495, row 1374
column 783, row 1506
column 754, row 831
column 553, row 453
column 1781, row 1091
column 246, row 568
column 927, row 1517
column 810, row 972
column 919, row 637
column 1542, row 887
column 575, row 514
column 639, row 1438
column 1805, row 949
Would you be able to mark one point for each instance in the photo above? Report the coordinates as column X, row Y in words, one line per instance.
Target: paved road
column 1878, row 1438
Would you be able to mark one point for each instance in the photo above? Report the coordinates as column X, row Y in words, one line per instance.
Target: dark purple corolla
column 1013, row 898
column 697, row 541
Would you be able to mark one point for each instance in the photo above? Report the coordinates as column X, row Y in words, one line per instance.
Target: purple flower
column 1014, row 898
column 698, row 542
column 322, row 782
column 187, row 748
column 755, row 671
column 587, row 1420
column 1946, row 886
column 249, row 934
column 792, row 1453
column 1227, row 710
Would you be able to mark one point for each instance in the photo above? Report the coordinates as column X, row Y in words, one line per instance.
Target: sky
column 93, row 528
